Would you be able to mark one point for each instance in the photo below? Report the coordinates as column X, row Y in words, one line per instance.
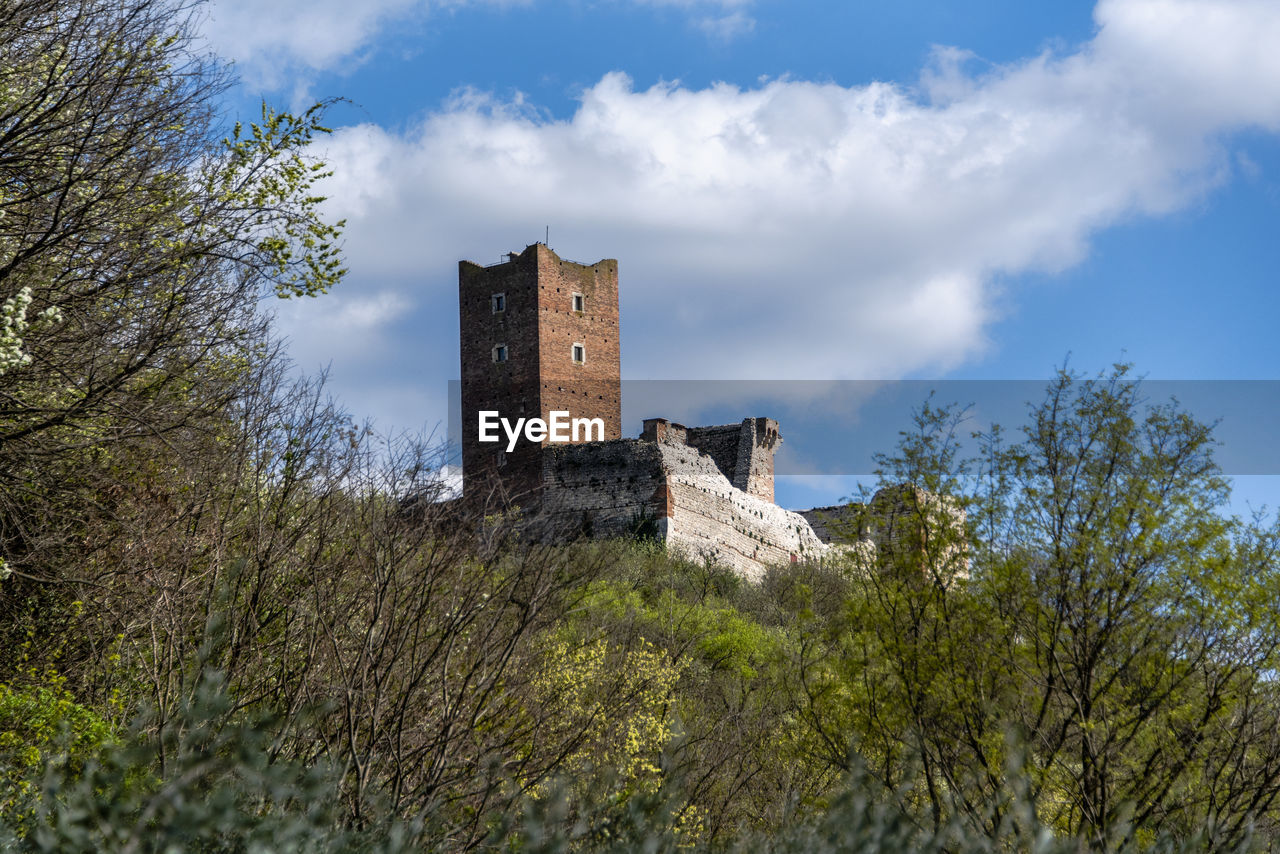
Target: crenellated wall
column 681, row 493
column 742, row 452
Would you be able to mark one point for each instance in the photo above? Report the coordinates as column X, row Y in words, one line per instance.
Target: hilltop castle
column 540, row 340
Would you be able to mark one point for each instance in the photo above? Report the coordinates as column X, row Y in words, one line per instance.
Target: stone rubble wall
column 618, row 487
column 711, row 519
column 743, row 452
column 839, row 523
column 720, row 443
column 908, row 523
column 758, row 440
column 602, row 489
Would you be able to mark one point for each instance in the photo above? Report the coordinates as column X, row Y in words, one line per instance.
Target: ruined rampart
column 678, row 493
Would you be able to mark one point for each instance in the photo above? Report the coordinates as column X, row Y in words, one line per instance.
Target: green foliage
column 618, row 704
column 574, row 685
column 860, row 818
column 40, row 726
column 135, row 241
column 718, row 635
column 1093, row 604
column 265, row 172
column 222, row 789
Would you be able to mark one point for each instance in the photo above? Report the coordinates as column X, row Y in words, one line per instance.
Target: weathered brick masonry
column 539, row 308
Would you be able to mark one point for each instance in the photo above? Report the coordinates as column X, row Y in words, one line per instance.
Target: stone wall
column 902, row 525
column 839, row 523
column 711, row 519
column 614, row 488
column 758, row 441
column 602, row 489
column 913, row 527
column 720, row 443
column 662, row 430
column 742, row 452
column 676, row 492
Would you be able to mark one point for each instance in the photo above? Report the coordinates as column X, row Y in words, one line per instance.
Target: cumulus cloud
column 802, row 229
column 279, row 44
column 340, row 326
column 274, row 42
column 364, row 338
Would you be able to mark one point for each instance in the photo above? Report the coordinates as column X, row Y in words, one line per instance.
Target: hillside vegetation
column 231, row 618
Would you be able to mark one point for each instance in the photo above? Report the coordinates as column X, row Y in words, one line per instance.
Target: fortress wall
column 758, row 439
column 606, row 488
column 679, row 494
column 839, row 523
column 742, row 452
column 720, row 443
column 712, row 519
column 905, row 521
column 663, row 430
column 602, row 488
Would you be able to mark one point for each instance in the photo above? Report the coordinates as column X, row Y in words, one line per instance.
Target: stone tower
column 538, row 334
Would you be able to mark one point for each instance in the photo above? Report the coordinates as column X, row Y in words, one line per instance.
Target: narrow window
column 498, row 302
column 578, row 302
column 579, row 354
column 500, row 353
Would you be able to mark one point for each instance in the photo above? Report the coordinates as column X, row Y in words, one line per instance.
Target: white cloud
column 721, row 20
column 273, row 42
column 339, row 325
column 281, row 43
column 727, row 27
column 803, row 229
column 360, row 339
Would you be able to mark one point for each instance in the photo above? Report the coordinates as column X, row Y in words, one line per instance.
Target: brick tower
column 538, row 334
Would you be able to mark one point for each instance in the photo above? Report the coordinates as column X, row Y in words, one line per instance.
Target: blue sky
column 819, row 191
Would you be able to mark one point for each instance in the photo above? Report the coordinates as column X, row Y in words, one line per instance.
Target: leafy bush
column 39, row 726
column 195, row 783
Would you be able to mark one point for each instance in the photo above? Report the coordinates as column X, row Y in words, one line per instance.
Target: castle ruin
column 540, row 335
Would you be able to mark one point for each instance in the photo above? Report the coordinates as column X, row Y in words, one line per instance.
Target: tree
column 134, row 235
column 1116, row 633
column 1143, row 620
column 136, row 240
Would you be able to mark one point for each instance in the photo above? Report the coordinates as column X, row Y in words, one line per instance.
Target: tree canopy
column 136, row 233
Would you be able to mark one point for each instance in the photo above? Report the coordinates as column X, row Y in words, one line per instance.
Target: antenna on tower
column 547, row 239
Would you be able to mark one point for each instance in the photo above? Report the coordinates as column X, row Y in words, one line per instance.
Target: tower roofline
column 512, row 257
